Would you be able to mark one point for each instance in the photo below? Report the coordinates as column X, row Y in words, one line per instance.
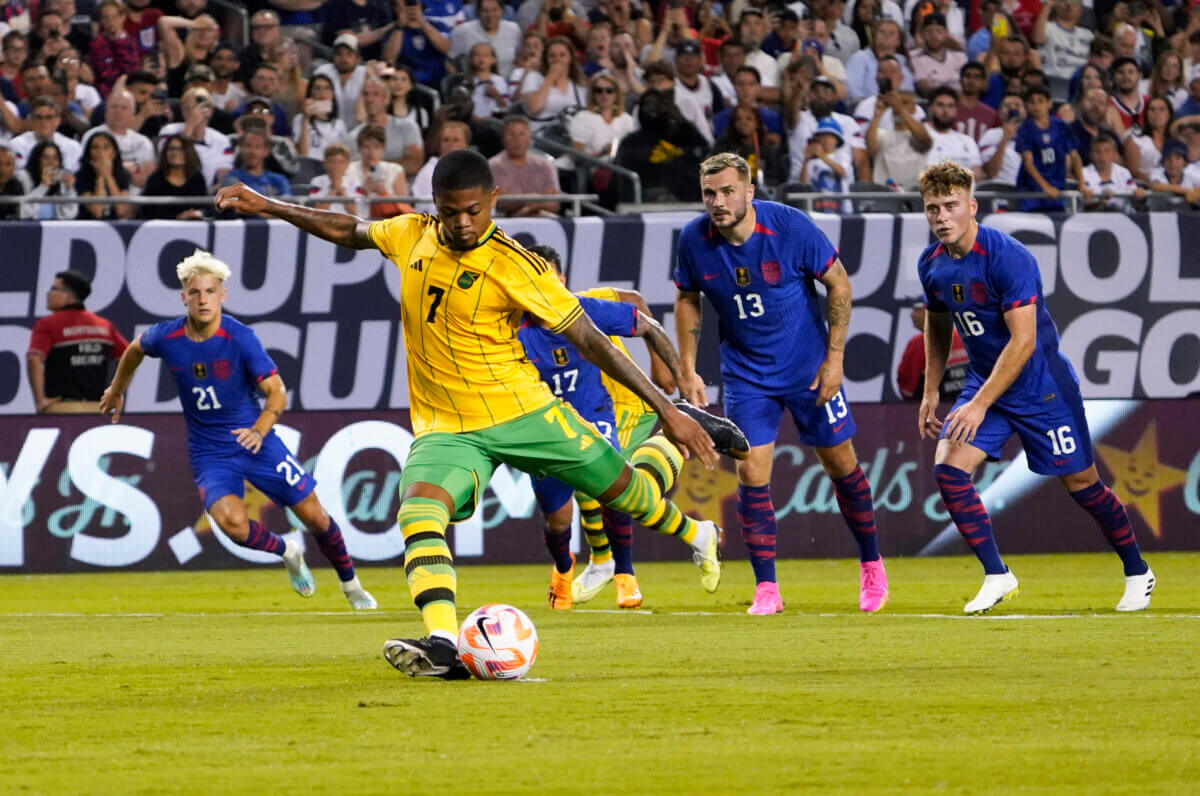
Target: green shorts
column 552, row 441
column 633, row 431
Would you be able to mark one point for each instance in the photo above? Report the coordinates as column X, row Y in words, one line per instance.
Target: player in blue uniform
column 987, row 284
column 217, row 363
column 757, row 262
column 579, row 383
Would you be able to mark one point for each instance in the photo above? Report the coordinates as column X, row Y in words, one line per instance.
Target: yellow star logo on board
column 702, row 491
column 256, row 502
column 1139, row 477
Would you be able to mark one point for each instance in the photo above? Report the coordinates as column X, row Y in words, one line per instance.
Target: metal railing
column 581, row 159
column 806, row 199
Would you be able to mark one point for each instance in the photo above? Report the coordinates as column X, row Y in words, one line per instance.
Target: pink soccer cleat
column 873, row 586
column 766, row 600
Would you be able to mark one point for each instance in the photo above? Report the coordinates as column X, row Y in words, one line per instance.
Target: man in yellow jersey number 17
column 475, row 399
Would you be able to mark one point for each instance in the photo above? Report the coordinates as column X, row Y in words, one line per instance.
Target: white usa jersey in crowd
column 1119, row 181
column 806, row 125
column 702, row 94
column 953, row 145
column 1012, row 161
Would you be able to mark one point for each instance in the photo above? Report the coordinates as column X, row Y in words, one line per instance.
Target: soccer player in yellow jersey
column 476, row 401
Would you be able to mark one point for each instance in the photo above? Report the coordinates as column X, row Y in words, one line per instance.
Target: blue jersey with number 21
column 217, row 379
column 773, row 334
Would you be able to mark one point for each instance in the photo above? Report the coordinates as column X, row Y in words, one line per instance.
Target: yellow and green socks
column 592, row 522
column 656, row 464
column 428, row 564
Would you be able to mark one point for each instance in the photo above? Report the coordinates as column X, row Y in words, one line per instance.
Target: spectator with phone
column 70, row 62
column 336, row 182
column 489, row 91
column 403, row 143
column 44, row 175
column 1063, row 41
column 227, row 91
column 491, row 27
column 282, row 157
column 214, row 148
column 418, row 42
column 997, row 146
column 347, row 74
column 377, row 176
column 318, row 124
column 862, row 68
column 890, row 78
column 897, row 155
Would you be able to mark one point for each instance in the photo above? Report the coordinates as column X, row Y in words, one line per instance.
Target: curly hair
column 942, row 178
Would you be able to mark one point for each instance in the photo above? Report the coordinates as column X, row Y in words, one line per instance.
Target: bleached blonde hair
column 201, row 262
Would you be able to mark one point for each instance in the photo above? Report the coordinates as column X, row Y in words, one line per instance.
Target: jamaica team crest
column 742, row 276
column 466, row 279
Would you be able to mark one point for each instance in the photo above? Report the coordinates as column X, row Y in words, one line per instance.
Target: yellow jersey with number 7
column 460, row 311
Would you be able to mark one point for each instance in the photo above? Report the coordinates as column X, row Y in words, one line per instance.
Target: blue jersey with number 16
column 216, row 377
column 773, row 334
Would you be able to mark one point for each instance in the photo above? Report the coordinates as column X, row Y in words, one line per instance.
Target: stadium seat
column 876, row 205
column 989, row 205
column 786, row 188
column 308, row 168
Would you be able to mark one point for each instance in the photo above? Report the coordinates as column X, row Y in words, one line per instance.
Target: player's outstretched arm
column 679, row 428
column 939, row 336
column 838, row 298
column 689, row 320
column 113, row 399
column 665, row 377
column 661, row 350
column 340, row 228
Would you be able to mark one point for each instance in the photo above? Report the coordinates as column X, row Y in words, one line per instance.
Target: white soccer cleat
column 1137, row 592
column 359, row 598
column 593, row 578
column 706, row 555
column 995, row 590
column 302, row 579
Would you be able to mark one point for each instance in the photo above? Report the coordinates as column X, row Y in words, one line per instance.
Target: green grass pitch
column 226, row 682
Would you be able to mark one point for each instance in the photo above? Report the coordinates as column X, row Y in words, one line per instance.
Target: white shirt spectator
column 557, row 100
column 853, row 137
column 597, row 135
column 835, row 70
column 422, row 186
column 1176, row 96
column 953, row 145
column 506, row 41
column 1065, row 50
column 1012, row 161
column 823, row 179
column 215, row 151
column 943, row 71
column 956, row 20
column 1151, row 156
column 347, row 95
column 691, row 110
column 383, row 170
column 23, row 144
column 703, row 94
column 723, row 84
column 485, row 106
column 233, row 96
column 768, row 69
column 135, row 148
column 322, row 185
column 864, row 112
column 87, row 96
column 321, row 133
column 1191, row 176
column 6, row 134
column 1119, row 181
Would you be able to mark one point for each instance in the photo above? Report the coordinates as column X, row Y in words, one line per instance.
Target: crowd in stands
column 352, row 100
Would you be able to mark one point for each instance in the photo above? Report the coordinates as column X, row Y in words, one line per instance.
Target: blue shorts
column 758, row 417
column 553, row 494
column 274, row 471
column 1054, row 433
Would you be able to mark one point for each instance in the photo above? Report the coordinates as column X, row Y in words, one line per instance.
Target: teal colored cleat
column 302, row 578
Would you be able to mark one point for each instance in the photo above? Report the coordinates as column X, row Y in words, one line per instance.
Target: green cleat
column 706, row 555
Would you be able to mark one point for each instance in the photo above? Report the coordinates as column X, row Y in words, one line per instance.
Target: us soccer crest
column 222, row 369
column 959, row 296
column 466, row 279
column 560, row 356
column 770, row 271
column 979, row 293
column 742, row 276
column 199, row 371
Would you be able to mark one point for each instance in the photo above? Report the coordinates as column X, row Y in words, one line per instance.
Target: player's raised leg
column 858, row 510
column 1094, row 497
column 328, row 536
column 229, row 512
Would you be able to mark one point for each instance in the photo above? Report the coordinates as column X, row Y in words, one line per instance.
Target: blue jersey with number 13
column 773, row 333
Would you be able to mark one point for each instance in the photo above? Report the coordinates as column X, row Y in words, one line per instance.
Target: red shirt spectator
column 114, row 52
column 910, row 375
column 69, row 350
column 142, row 24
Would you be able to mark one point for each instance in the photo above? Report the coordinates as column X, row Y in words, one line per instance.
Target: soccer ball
column 497, row 642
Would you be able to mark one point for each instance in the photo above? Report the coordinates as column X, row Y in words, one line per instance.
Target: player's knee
column 751, row 472
column 950, row 478
column 560, row 521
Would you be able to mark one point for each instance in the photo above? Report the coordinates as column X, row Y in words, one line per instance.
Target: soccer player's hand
column 927, row 421
column 248, row 438
column 963, row 422
column 690, row 437
column 691, row 389
column 112, row 401
column 828, row 380
column 240, row 197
